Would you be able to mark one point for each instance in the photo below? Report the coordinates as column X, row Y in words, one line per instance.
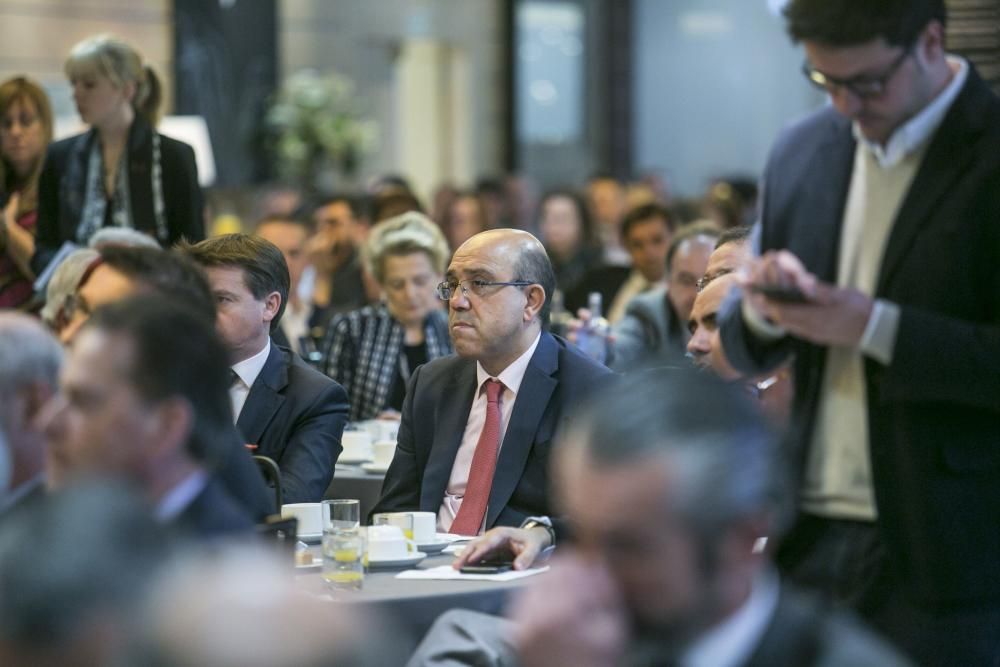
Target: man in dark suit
column 882, row 213
column 508, row 389
column 285, row 410
column 143, row 400
column 670, row 480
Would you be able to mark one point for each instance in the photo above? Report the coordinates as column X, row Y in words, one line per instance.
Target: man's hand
column 572, row 615
column 831, row 315
column 524, row 544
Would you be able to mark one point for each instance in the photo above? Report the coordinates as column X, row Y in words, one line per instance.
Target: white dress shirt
column 511, row 378
column 247, row 370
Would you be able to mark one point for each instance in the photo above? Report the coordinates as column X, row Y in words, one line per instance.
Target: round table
column 413, row 605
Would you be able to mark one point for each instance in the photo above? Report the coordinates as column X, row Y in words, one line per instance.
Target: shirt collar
column 178, row 498
column 914, row 132
column 512, row 375
column 249, row 369
column 733, row 641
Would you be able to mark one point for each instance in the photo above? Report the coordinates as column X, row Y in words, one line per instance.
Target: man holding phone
column 880, row 271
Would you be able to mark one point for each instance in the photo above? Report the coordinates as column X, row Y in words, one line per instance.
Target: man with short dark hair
column 879, row 239
column 120, row 272
column 646, row 233
column 143, row 399
column 669, row 480
column 341, row 227
column 285, row 409
column 477, row 428
column 291, row 235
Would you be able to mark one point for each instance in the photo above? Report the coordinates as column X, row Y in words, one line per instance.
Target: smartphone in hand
column 489, row 566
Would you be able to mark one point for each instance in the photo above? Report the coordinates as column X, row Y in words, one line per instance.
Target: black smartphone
column 488, row 567
column 781, row 293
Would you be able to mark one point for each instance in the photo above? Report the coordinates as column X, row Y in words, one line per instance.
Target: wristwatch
column 541, row 522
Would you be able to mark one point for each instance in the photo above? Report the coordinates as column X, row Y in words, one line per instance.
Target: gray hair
column 402, row 235
column 121, row 236
column 726, row 458
column 64, row 282
column 28, row 353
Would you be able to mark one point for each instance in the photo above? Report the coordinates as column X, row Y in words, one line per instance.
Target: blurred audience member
column 155, row 274
column 522, row 198
column 373, row 351
column 143, row 399
column 285, row 409
column 30, row 359
column 238, row 606
column 653, row 330
column 606, row 197
column 465, row 218
column 60, row 293
column 290, row 236
column 25, row 133
column 394, row 202
column 122, row 172
column 566, row 229
column 492, row 192
column 339, row 284
column 646, row 234
column 74, row 570
column 121, row 236
column 665, row 566
column 732, row 202
column 441, row 200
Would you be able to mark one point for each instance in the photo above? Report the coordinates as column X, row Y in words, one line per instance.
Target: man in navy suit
column 285, row 410
column 143, row 400
column 477, row 428
column 883, row 213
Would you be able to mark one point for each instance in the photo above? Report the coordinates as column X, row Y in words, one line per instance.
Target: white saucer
column 374, row 467
column 396, row 562
column 347, row 460
column 315, row 565
column 433, row 547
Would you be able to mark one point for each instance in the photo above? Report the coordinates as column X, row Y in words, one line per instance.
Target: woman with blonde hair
column 373, row 351
column 25, row 132
column 121, row 172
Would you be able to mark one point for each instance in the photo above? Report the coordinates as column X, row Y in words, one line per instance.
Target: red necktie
column 484, row 464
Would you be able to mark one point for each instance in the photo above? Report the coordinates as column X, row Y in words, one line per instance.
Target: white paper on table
column 448, row 572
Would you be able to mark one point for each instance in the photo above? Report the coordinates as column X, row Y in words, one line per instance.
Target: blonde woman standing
column 121, row 172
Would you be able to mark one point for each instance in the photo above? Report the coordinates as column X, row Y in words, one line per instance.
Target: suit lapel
column 264, row 398
column 449, row 427
column 529, row 407
column 944, row 163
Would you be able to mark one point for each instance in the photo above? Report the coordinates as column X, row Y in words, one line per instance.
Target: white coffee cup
column 308, row 514
column 357, row 446
column 384, row 451
column 424, row 525
column 388, row 429
column 386, row 542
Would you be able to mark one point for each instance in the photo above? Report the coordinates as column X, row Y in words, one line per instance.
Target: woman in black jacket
column 121, row 172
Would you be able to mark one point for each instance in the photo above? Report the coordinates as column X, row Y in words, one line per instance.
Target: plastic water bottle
column 592, row 338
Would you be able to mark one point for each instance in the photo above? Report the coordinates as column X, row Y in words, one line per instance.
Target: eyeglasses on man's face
column 476, row 287
column 865, row 86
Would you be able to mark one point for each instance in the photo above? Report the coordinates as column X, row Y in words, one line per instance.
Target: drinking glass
column 341, row 515
column 343, row 564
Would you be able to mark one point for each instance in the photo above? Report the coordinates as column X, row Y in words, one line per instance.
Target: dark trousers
column 845, row 563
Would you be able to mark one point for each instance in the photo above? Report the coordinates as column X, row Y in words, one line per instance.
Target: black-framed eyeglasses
column 446, row 289
column 866, row 86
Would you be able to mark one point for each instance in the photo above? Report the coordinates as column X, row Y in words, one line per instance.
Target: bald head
column 506, row 279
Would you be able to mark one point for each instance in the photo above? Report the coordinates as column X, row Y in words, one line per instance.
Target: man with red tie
column 477, row 427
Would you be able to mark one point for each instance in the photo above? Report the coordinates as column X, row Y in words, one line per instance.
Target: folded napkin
column 448, row 572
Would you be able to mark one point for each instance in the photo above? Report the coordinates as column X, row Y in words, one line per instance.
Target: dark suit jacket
column 435, row 412
column 934, row 411
column 213, row 513
column 61, row 197
column 295, row 415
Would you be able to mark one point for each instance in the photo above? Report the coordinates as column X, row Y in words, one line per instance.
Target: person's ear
column 535, row 299
column 931, row 42
column 272, row 303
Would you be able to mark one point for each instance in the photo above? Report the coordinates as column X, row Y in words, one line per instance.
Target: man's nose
column 845, row 101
